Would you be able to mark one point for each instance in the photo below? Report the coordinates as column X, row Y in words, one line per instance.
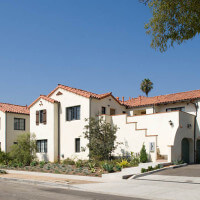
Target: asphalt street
column 20, row 191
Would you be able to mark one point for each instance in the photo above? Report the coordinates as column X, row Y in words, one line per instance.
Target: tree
column 146, row 86
column 24, row 151
column 101, row 136
column 143, row 155
column 173, row 21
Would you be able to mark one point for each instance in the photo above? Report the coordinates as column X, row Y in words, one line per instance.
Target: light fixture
column 170, row 122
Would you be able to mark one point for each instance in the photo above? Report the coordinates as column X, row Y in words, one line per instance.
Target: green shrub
column 42, row 163
column 25, row 150
column 143, row 155
column 91, row 165
column 108, row 167
column 124, row 163
column 33, row 163
column 68, row 161
column 143, row 170
column 3, row 172
column 118, row 167
column 150, row 168
column 79, row 163
column 4, row 157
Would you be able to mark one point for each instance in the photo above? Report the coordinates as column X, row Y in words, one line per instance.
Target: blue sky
column 96, row 45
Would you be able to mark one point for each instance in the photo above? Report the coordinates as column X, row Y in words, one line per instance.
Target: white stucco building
column 168, row 125
column 14, row 120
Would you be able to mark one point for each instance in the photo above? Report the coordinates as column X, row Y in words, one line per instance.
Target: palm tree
column 146, row 86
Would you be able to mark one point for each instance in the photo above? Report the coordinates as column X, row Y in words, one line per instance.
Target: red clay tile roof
column 45, row 98
column 80, row 92
column 5, row 107
column 169, row 98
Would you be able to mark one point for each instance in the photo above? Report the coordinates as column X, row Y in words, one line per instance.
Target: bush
column 42, row 163
column 143, row 170
column 68, row 161
column 33, row 163
column 4, row 157
column 143, row 155
column 150, row 168
column 118, row 168
column 124, row 163
column 79, row 163
column 3, row 172
column 25, row 150
column 108, row 167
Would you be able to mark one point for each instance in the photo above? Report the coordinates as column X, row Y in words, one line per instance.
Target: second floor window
column 176, row 108
column 103, row 110
column 19, row 124
column 73, row 113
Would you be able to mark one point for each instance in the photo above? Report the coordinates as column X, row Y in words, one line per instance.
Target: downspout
column 58, row 131
column 195, row 120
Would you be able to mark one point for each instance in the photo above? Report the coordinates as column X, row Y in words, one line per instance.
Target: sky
column 96, row 45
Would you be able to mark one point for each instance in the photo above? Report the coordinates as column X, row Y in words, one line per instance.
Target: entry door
column 185, row 150
column 198, row 151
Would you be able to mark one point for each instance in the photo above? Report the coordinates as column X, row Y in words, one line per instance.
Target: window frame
column 180, row 108
column 103, row 110
column 77, row 145
column 73, row 113
column 42, row 144
column 19, row 126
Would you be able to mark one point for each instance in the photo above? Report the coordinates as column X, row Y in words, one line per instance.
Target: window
column 77, row 145
column 41, row 116
column 112, row 111
column 42, row 146
column 177, row 108
column 124, row 112
column 103, row 110
column 73, row 113
column 19, row 124
column 15, row 142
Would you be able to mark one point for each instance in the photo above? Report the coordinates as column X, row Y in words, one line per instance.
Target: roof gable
column 45, row 98
column 80, row 92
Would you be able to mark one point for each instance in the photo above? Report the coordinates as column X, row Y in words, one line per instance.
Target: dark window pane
column 73, row 113
column 103, row 110
column 19, row 124
column 41, row 116
column 77, row 145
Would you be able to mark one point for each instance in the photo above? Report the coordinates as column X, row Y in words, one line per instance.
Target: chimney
column 123, row 99
column 140, row 98
column 117, row 98
column 26, row 106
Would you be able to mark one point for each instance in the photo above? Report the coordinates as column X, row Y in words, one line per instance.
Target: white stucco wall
column 132, row 133
column 3, row 130
column 69, row 130
column 48, row 131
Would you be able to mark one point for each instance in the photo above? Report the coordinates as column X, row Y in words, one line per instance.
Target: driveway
column 188, row 171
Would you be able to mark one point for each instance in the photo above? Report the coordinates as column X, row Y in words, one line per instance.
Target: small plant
column 124, row 163
column 3, row 172
column 150, row 168
column 91, row 165
column 68, row 161
column 33, row 163
column 79, row 163
column 108, row 167
column 118, row 167
column 42, row 163
column 143, row 170
column 143, row 155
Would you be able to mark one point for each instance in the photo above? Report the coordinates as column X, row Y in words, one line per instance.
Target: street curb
column 45, row 183
column 154, row 171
